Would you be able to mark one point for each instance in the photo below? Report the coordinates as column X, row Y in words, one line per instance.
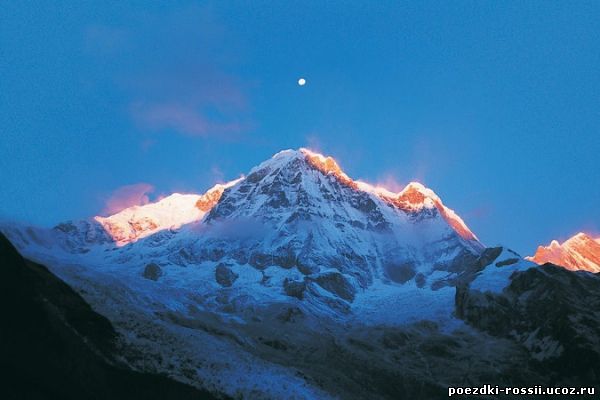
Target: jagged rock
column 420, row 280
column 257, row 176
column 152, row 271
column 294, row 288
column 543, row 309
column 224, row 275
column 337, row 284
column 290, row 314
column 401, row 272
column 508, row 261
column 471, row 266
column 307, row 267
column 260, row 260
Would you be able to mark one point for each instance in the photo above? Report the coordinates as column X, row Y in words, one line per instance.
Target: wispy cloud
column 390, row 182
column 128, row 196
column 177, row 73
column 217, row 175
column 313, row 142
column 183, row 118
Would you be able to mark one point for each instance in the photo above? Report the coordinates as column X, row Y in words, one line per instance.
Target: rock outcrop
column 552, row 312
column 152, row 271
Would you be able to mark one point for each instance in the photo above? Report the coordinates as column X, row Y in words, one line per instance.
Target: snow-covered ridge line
column 171, row 212
column 580, row 252
column 414, row 197
column 295, row 247
column 134, row 223
column 212, row 195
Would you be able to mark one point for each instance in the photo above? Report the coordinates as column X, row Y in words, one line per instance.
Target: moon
column 301, row 82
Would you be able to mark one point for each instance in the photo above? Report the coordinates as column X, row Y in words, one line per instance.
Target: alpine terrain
column 296, row 281
column 580, row 252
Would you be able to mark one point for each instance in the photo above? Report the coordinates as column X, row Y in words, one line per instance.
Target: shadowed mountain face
column 54, row 346
column 550, row 311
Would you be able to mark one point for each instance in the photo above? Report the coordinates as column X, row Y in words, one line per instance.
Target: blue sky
column 494, row 105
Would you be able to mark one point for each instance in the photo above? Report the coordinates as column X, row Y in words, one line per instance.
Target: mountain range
column 580, row 252
column 297, row 281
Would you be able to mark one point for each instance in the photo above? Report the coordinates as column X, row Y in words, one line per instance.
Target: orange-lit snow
column 580, row 252
column 213, row 195
column 328, row 165
column 413, row 198
column 171, row 212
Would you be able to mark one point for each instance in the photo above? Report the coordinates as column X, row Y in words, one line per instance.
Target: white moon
column 301, row 81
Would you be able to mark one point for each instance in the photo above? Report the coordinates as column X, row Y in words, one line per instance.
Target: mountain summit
column 171, row 212
column 580, row 252
column 300, row 209
column 294, row 218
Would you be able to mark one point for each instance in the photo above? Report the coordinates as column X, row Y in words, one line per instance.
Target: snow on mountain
column 134, row 223
column 297, row 224
column 413, row 198
column 296, row 241
column 298, row 281
column 171, row 212
column 580, row 252
column 495, row 279
column 299, row 210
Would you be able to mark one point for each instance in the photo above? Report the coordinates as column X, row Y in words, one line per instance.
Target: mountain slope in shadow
column 54, row 346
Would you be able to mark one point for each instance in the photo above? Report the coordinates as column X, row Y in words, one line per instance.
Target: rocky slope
column 551, row 312
column 54, row 346
column 580, row 252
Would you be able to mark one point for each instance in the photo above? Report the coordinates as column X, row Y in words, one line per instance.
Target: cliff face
column 54, row 346
column 544, row 310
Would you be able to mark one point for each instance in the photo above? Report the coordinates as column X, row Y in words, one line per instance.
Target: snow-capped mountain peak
column 171, row 212
column 296, row 239
column 580, row 252
column 137, row 222
column 298, row 211
column 412, row 199
column 415, row 197
column 328, row 165
column 302, row 209
column 292, row 185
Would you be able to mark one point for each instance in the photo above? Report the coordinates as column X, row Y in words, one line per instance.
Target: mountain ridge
column 175, row 210
column 579, row 252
